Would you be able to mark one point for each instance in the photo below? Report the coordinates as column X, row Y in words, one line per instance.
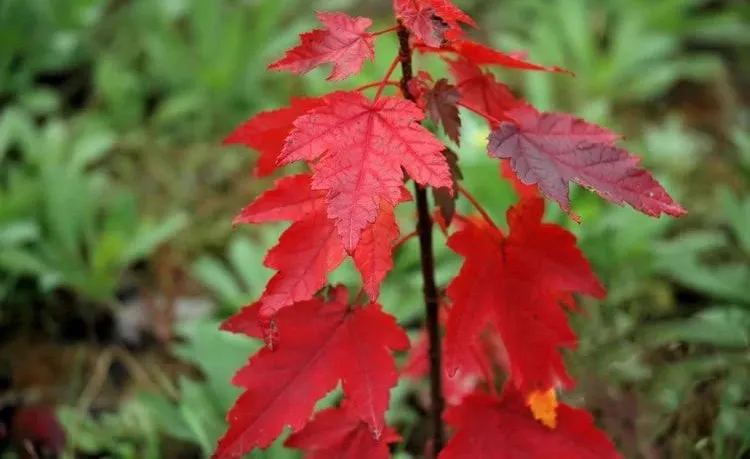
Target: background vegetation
column 118, row 261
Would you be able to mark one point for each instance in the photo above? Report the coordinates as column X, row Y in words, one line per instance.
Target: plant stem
column 470, row 197
column 404, row 240
column 424, row 228
column 491, row 119
column 387, row 77
column 384, row 31
column 393, row 83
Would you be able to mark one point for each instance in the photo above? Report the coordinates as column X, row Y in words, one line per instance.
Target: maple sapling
column 498, row 367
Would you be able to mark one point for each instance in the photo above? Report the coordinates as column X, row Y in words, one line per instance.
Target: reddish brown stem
column 385, row 31
column 360, row 293
column 494, row 121
column 424, row 229
column 387, row 77
column 392, row 83
column 470, row 197
column 404, row 240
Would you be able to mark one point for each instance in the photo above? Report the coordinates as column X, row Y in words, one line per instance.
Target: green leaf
column 167, row 416
column 200, row 414
column 17, row 233
column 149, row 238
column 719, row 326
column 246, row 257
column 216, row 277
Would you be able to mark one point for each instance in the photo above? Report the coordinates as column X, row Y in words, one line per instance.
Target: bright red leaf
column 505, row 429
column 432, row 21
column 480, row 91
column 320, row 344
column 311, row 248
column 480, row 54
column 266, row 132
column 249, row 322
column 552, row 149
column 343, row 42
column 517, row 282
column 373, row 256
column 356, row 148
column 340, row 433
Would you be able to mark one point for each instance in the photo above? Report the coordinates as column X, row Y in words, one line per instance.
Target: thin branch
column 392, row 83
column 385, row 31
column 424, row 229
column 480, row 112
column 404, row 240
column 470, row 197
column 387, row 77
column 359, row 296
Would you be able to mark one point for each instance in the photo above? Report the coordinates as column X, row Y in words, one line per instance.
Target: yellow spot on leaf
column 543, row 406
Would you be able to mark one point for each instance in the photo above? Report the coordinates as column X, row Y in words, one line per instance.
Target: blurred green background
column 118, row 261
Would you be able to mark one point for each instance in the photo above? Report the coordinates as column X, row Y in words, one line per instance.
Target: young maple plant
column 493, row 337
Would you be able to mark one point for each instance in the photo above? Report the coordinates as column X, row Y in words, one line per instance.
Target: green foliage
column 89, row 187
column 68, row 226
column 241, row 279
column 61, row 39
column 621, row 52
column 126, row 434
column 198, row 415
column 204, row 73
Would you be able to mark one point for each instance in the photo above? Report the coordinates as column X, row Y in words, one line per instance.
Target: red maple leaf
column 506, row 429
column 552, row 149
column 480, row 91
column 517, row 282
column 480, row 54
column 266, row 132
column 249, row 322
column 356, row 148
column 344, row 43
column 440, row 102
column 320, row 345
column 311, row 248
column 340, row 433
column 432, row 21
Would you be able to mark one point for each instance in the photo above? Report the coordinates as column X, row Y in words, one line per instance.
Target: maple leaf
column 311, row 248
column 356, row 148
column 480, row 91
column 322, row 344
column 249, row 322
column 505, row 429
column 444, row 200
column 266, row 132
column 480, row 54
column 517, row 282
column 340, row 433
column 441, row 107
column 551, row 149
column 344, row 43
column 306, row 252
column 373, row 256
column 432, row 21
